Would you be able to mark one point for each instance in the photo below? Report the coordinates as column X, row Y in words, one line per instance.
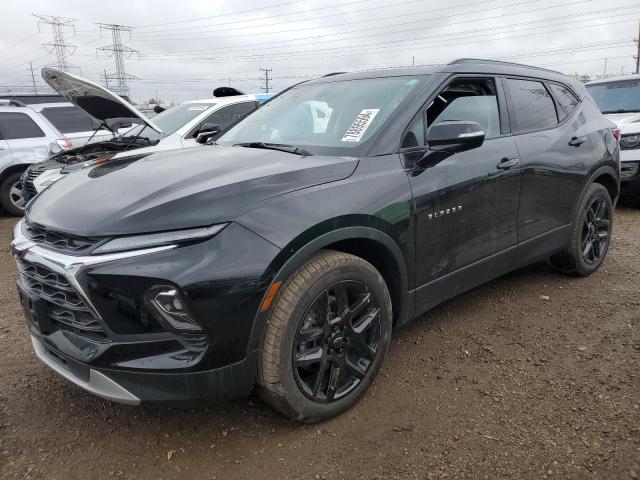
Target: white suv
column 29, row 134
column 619, row 99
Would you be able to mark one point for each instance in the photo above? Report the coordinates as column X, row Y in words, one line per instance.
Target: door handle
column 577, row 141
column 507, row 163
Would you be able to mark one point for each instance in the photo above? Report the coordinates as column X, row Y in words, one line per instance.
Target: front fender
column 305, row 245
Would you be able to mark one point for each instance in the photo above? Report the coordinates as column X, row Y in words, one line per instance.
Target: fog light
column 170, row 310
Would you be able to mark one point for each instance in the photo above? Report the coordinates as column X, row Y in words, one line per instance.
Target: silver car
column 30, row 134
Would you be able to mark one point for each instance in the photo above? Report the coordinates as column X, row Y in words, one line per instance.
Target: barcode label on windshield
column 360, row 125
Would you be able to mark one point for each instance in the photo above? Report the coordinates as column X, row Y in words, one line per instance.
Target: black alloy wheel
column 325, row 338
column 590, row 234
column 336, row 342
column 595, row 230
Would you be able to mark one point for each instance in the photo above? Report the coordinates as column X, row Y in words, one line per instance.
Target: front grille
column 28, row 188
column 64, row 307
column 61, row 242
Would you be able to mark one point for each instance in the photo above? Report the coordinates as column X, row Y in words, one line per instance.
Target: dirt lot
column 498, row 383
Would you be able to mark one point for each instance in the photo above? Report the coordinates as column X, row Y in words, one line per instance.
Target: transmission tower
column 118, row 51
column 266, row 71
column 58, row 46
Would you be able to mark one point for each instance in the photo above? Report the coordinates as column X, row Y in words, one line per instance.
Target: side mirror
column 455, row 136
column 207, row 131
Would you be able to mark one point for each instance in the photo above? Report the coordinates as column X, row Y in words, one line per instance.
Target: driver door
column 465, row 203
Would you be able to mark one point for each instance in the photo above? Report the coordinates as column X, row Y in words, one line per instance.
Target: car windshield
column 172, row 119
column 324, row 118
column 616, row 97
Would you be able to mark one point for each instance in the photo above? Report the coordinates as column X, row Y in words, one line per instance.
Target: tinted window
column 69, row 119
column 470, row 100
column 532, row 107
column 18, row 125
column 617, row 97
column 565, row 100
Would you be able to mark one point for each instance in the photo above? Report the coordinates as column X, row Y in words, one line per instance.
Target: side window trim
column 556, row 101
column 512, row 120
column 501, row 98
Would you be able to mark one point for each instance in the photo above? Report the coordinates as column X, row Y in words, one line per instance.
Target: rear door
column 555, row 153
column 27, row 141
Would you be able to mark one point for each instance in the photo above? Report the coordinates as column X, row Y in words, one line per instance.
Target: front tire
column 11, row 198
column 326, row 337
column 590, row 234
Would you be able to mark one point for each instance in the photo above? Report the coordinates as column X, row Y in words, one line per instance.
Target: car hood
column 177, row 189
column 626, row 122
column 106, row 107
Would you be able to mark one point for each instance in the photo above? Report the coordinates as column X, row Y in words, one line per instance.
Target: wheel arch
column 606, row 176
column 371, row 244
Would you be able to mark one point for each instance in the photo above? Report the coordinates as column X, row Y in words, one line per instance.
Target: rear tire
column 326, row 337
column 590, row 235
column 11, row 198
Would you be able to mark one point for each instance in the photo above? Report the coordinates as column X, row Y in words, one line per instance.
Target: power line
column 266, row 71
column 118, row 51
column 61, row 49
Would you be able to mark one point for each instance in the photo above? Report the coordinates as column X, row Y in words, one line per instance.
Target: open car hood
column 106, row 107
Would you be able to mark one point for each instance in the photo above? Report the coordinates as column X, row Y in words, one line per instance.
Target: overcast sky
column 188, row 47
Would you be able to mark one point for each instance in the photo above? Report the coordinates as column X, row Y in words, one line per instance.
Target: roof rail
column 499, row 62
column 332, row 74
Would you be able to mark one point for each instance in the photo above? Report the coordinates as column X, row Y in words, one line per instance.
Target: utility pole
column 106, row 78
column 266, row 71
column 58, row 45
column 637, row 56
column 413, row 61
column 605, row 67
column 33, row 79
column 118, row 51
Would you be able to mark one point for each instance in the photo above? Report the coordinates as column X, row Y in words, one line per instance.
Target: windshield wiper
column 276, row 146
column 622, row 110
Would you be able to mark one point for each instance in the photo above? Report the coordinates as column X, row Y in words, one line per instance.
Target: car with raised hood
column 177, row 127
column 30, row 133
column 283, row 256
column 619, row 100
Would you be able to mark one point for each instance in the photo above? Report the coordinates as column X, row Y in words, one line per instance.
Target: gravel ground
column 535, row 375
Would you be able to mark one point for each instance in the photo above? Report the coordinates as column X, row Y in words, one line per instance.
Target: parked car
column 619, row 99
column 29, row 134
column 177, row 127
column 283, row 256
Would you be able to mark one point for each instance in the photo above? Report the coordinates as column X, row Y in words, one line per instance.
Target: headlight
column 138, row 242
column 630, row 142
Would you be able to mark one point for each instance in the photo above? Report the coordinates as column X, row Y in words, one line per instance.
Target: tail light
column 64, row 143
column 616, row 133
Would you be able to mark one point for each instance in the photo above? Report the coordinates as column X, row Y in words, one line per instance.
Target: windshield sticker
column 360, row 125
column 198, row 108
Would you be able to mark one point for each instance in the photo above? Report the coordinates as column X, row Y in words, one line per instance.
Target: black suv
column 282, row 256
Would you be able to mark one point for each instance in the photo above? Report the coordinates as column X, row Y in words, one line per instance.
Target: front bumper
column 133, row 388
column 86, row 316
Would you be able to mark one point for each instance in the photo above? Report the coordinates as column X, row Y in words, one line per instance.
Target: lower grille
column 64, row 307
